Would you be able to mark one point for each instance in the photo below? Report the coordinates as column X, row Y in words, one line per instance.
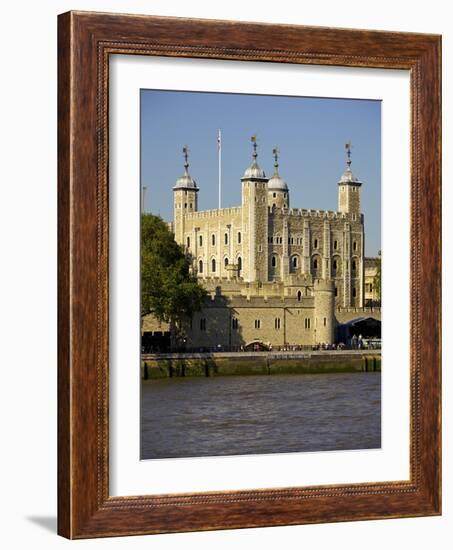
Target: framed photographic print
column 249, row 275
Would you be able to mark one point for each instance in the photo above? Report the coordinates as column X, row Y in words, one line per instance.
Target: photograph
column 260, row 274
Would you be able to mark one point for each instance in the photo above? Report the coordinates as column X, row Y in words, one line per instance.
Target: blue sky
column 309, row 132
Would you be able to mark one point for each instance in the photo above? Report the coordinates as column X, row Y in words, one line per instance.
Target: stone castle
column 276, row 275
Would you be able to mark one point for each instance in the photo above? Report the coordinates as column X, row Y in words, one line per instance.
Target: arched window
column 226, row 238
column 226, row 262
column 354, row 265
column 299, row 295
column 335, row 245
column 274, row 195
column 200, row 240
column 273, row 261
column 315, row 243
column 354, row 245
column 239, row 265
column 354, row 292
column 315, row 263
column 294, row 261
column 188, row 242
column 213, row 240
column 335, row 265
column 239, row 237
column 213, row 265
column 200, row 266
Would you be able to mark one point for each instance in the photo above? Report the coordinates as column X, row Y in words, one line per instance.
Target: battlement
column 260, row 301
column 215, row 213
column 311, row 213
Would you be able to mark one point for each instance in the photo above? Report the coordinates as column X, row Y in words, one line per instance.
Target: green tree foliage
column 168, row 289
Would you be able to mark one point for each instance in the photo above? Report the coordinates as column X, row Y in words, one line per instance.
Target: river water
column 232, row 415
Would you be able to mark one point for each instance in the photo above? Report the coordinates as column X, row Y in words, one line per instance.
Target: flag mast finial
column 348, row 147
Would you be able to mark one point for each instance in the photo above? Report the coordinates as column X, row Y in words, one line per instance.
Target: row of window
column 271, row 240
column 298, row 240
column 214, row 265
column 257, row 323
column 213, row 239
column 295, row 263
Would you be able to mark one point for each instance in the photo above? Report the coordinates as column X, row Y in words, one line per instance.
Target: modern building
column 372, row 291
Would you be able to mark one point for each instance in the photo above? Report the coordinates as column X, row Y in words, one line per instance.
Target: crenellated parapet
column 214, row 213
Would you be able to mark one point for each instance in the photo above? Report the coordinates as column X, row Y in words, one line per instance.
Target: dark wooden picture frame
column 85, row 41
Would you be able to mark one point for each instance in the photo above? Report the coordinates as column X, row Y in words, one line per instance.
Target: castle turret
column 349, row 189
column 255, row 221
column 185, row 198
column 278, row 194
column 324, row 302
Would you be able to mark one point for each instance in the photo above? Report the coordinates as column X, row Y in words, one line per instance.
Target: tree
column 377, row 277
column 168, row 289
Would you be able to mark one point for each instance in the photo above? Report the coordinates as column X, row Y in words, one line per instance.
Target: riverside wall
column 170, row 365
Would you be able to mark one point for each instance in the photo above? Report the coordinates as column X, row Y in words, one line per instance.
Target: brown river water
column 237, row 415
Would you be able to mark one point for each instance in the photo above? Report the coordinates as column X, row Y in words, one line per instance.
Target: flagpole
column 219, row 148
column 143, row 198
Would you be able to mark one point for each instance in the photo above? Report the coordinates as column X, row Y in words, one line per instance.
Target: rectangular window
column 239, row 237
column 235, row 323
column 203, row 324
column 257, row 323
column 307, row 323
column 325, row 321
column 277, row 323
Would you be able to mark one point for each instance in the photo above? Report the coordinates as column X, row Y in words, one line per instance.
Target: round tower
column 185, row 198
column 277, row 189
column 324, row 298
